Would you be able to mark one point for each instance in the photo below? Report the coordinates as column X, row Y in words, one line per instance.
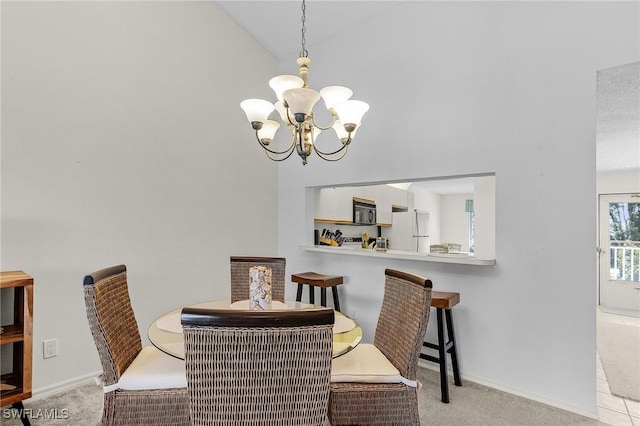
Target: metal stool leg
column 323, row 296
column 299, row 293
column 312, row 295
column 451, row 347
column 336, row 300
column 442, row 354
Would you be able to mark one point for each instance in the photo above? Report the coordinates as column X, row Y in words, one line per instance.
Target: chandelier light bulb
column 257, row 110
column 333, row 95
column 281, row 83
column 351, row 111
column 301, row 101
column 341, row 132
column 268, row 131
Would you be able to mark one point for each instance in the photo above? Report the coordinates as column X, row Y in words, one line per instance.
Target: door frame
column 603, row 247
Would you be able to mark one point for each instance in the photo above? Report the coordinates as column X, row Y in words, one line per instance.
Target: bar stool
column 444, row 301
column 313, row 279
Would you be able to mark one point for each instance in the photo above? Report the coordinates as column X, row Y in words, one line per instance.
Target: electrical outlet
column 50, row 348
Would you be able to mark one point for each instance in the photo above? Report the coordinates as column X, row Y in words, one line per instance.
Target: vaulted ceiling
column 277, row 25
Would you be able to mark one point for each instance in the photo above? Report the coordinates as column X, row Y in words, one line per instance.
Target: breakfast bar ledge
column 459, row 258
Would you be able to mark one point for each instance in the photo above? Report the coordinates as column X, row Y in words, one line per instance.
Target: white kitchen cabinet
column 383, row 206
column 367, row 193
column 389, row 199
column 397, row 197
column 335, row 205
column 327, row 203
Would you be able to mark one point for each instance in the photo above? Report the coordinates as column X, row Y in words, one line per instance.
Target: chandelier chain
column 303, row 50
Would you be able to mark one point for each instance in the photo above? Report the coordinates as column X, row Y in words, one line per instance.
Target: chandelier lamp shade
column 295, row 104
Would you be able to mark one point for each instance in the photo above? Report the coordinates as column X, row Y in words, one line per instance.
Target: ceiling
column 446, row 186
column 618, row 118
column 449, row 186
column 281, row 32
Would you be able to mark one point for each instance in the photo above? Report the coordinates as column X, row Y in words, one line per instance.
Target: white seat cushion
column 364, row 364
column 153, row 369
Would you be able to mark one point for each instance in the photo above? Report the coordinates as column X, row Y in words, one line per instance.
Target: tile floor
column 612, row 409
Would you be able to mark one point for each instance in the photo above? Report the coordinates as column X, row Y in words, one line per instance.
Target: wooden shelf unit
column 20, row 335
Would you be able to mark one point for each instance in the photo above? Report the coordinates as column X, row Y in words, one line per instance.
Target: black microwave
column 364, row 213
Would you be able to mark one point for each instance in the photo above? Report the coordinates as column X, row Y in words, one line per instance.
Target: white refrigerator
column 409, row 231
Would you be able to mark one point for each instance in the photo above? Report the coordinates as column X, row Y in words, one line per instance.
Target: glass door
column 619, row 251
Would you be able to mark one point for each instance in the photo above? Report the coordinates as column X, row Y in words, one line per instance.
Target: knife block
column 328, row 242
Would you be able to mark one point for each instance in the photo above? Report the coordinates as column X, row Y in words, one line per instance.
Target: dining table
column 165, row 332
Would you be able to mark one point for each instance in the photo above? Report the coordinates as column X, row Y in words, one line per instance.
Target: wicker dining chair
column 240, row 266
column 269, row 367
column 376, row 384
column 142, row 385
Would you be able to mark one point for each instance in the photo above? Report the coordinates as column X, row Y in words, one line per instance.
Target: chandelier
column 295, row 108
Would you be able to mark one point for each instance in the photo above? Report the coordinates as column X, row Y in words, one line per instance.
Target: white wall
column 454, row 226
column 123, row 142
column 618, row 181
column 484, row 206
column 463, row 88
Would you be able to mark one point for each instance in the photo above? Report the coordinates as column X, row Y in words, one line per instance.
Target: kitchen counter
column 459, row 258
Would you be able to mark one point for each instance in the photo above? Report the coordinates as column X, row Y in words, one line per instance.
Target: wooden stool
column 318, row 280
column 444, row 301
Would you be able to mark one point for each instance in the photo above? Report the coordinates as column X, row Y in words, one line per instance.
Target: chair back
column 240, row 280
column 111, row 320
column 403, row 320
column 258, row 367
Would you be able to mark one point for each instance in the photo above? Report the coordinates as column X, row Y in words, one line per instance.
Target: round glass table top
column 165, row 333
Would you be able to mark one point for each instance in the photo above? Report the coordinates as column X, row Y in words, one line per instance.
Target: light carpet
column 619, row 349
column 471, row 404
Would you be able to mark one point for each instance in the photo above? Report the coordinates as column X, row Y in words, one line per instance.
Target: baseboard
column 71, row 383
column 49, row 390
column 503, row 388
column 619, row 311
